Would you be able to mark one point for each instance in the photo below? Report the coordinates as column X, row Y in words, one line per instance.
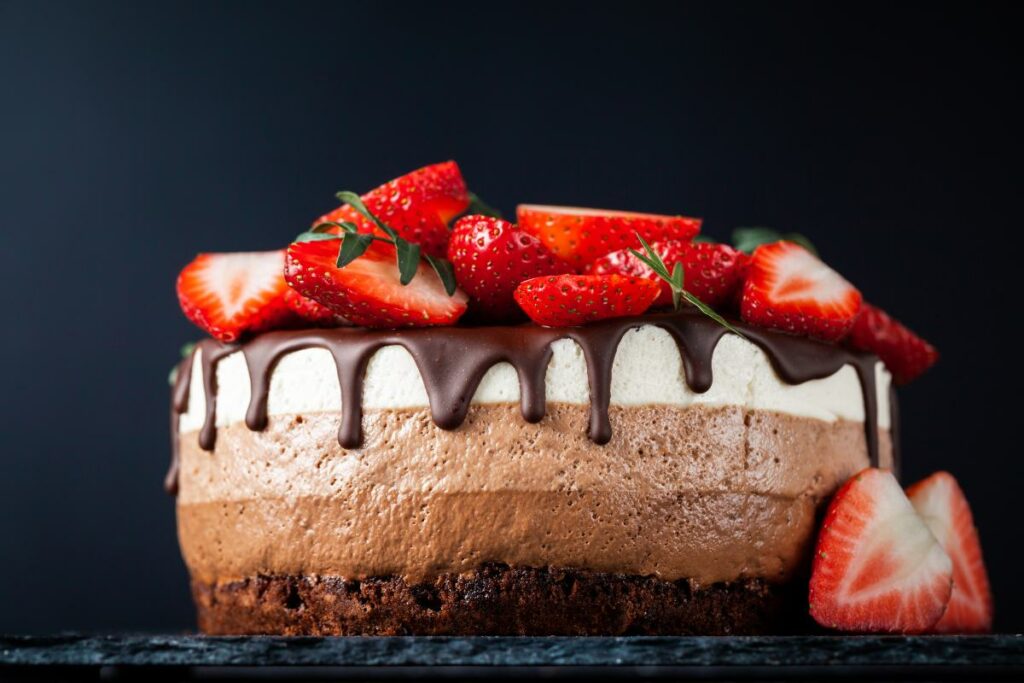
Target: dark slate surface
column 1002, row 651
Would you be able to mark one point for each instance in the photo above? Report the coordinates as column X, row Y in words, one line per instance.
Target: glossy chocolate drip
column 453, row 360
column 179, row 404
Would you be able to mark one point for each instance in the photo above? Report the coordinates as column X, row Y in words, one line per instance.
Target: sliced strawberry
column 419, row 205
column 581, row 236
column 491, row 257
column 877, row 567
column 312, row 312
column 569, row 300
column 229, row 295
column 367, row 291
column 712, row 272
column 790, row 289
column 905, row 354
column 941, row 503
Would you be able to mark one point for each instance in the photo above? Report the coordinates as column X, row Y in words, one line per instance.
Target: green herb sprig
column 355, row 243
column 676, row 281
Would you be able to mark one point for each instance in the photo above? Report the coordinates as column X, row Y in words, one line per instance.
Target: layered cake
column 402, row 427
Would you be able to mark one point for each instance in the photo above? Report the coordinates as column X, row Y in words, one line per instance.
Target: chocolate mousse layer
column 709, row 510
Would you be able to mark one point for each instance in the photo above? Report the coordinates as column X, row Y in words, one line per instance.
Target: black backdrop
column 134, row 135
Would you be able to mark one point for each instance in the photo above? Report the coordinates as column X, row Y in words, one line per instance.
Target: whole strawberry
column 713, row 271
column 491, row 257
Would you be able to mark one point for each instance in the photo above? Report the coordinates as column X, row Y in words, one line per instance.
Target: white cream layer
column 647, row 370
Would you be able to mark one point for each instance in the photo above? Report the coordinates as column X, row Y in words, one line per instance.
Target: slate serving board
column 997, row 657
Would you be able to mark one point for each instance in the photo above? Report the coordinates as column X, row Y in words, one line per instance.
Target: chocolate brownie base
column 494, row 600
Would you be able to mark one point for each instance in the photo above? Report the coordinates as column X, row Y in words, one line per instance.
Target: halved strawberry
column 570, row 300
column 229, row 295
column 941, row 503
column 367, row 291
column 312, row 312
column 419, row 205
column 491, row 257
column 581, row 236
column 877, row 567
column 790, row 289
column 712, row 272
column 905, row 354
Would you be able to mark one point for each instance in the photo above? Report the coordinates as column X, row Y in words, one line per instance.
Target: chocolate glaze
column 453, row 360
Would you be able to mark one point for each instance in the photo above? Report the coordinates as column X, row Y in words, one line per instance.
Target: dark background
column 133, row 136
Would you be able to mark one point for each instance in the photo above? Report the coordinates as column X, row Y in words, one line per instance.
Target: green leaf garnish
column 353, row 245
column 408, row 259
column 353, row 200
column 478, row 207
column 676, row 280
column 444, row 270
column 311, row 236
column 749, row 239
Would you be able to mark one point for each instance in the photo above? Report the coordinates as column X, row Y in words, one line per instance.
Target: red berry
column 491, row 257
column 230, row 295
column 877, row 567
column 312, row 312
column 713, row 272
column 569, row 300
column 790, row 289
column 368, row 291
column 943, row 506
column 418, row 205
column 581, row 236
column 905, row 354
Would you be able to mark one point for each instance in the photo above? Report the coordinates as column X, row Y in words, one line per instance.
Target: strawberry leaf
column 478, row 207
column 749, row 239
column 408, row 259
column 444, row 270
column 345, row 226
column 353, row 245
column 311, row 236
column 353, row 200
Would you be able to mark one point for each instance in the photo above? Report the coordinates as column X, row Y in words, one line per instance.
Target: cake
column 350, row 458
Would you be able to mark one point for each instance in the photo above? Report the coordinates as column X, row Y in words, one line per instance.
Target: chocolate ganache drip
column 453, row 361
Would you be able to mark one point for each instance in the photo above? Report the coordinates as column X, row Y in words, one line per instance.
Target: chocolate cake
column 683, row 505
column 413, row 423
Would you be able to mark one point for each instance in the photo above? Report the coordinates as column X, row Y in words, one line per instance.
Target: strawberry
column 940, row 502
column 877, row 567
column 712, row 271
column 569, row 300
column 790, row 289
column 581, row 236
column 491, row 257
column 418, row 206
column 229, row 295
column 905, row 354
column 367, row 291
column 311, row 311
